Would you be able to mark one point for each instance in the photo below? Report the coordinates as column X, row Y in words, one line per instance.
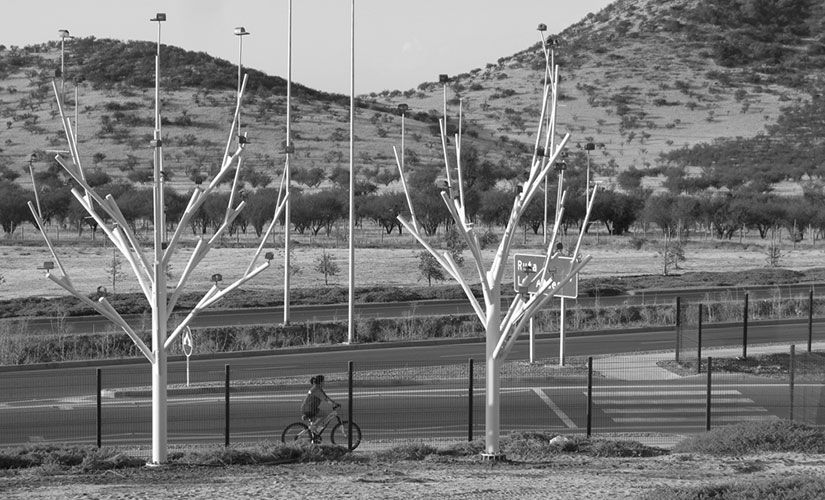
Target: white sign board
column 529, row 271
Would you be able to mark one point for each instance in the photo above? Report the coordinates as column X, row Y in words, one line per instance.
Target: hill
column 647, row 81
column 643, row 79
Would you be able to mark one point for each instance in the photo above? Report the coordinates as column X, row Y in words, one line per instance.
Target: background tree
column 617, row 211
column 326, row 265
column 260, row 206
column 429, row 268
column 13, row 208
column 114, row 270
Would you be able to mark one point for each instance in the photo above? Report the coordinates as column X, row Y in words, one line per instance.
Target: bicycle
column 299, row 432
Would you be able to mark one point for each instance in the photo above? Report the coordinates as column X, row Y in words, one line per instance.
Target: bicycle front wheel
column 338, row 435
column 296, row 432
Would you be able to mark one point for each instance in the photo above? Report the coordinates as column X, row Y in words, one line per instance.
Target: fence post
column 791, row 367
column 226, row 406
column 810, row 318
column 350, row 366
column 589, row 395
column 678, row 326
column 745, row 330
column 99, row 408
column 699, row 344
column 470, row 403
column 708, row 408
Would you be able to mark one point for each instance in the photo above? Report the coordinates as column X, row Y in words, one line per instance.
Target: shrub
column 749, row 438
column 788, row 488
column 408, row 451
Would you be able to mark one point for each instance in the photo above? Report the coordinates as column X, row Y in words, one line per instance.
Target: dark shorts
column 309, row 415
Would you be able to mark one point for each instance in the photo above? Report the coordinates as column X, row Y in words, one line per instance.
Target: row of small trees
column 319, row 212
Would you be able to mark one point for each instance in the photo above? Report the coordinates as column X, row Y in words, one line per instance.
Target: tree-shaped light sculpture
column 502, row 330
column 149, row 265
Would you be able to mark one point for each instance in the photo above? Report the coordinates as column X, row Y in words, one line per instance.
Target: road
column 338, row 312
column 60, row 404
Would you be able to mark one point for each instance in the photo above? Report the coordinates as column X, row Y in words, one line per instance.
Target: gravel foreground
column 562, row 477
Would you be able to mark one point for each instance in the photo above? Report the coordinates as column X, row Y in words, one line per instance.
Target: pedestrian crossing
column 675, row 406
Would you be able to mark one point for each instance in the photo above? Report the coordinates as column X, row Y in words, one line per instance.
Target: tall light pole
column 588, row 148
column 63, row 34
column 158, row 295
column 287, row 177
column 402, row 108
column 351, row 303
column 444, row 79
column 240, row 32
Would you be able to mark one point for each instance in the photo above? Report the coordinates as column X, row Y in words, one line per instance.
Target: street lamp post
column 287, row 173
column 351, row 273
column 402, row 108
column 444, row 79
column 588, row 148
column 240, row 32
column 63, row 34
column 158, row 295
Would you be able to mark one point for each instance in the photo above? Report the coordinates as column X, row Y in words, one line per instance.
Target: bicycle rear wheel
column 338, row 434
column 296, row 432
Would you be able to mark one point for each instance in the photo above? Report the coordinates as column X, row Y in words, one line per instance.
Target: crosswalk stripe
column 686, row 406
column 553, row 406
column 694, row 409
column 680, row 401
column 721, row 418
column 676, row 392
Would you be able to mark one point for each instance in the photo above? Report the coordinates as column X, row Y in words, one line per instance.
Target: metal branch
column 280, row 206
column 105, row 310
column 67, row 128
column 446, row 159
column 467, row 235
column 406, row 190
column 453, row 272
column 198, row 254
column 39, row 221
column 213, row 297
column 116, row 318
column 235, row 117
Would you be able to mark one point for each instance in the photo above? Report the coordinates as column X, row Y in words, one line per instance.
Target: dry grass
column 392, row 262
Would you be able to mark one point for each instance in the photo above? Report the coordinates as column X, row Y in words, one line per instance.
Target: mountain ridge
column 640, row 79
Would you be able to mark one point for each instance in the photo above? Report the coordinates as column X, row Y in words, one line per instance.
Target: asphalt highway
column 338, row 312
column 59, row 403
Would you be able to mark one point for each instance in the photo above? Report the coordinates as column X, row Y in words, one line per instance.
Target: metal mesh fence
column 415, row 401
column 34, row 411
column 637, row 397
column 644, row 396
column 544, row 396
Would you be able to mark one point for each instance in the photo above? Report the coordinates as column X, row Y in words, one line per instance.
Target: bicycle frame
column 333, row 415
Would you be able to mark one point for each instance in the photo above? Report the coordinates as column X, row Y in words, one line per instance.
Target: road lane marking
column 679, row 409
column 558, row 411
column 723, row 418
column 677, row 400
column 674, row 392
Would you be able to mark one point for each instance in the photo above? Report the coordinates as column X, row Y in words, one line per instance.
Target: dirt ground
column 88, row 267
column 563, row 477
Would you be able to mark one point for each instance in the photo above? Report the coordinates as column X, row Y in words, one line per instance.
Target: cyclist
column 311, row 407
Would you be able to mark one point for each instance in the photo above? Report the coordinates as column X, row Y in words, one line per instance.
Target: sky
column 398, row 44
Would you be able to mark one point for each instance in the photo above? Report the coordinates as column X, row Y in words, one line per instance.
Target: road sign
column 525, row 272
column 529, row 271
column 559, row 267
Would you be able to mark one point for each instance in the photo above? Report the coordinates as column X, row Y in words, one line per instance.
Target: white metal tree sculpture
column 502, row 330
column 149, row 265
